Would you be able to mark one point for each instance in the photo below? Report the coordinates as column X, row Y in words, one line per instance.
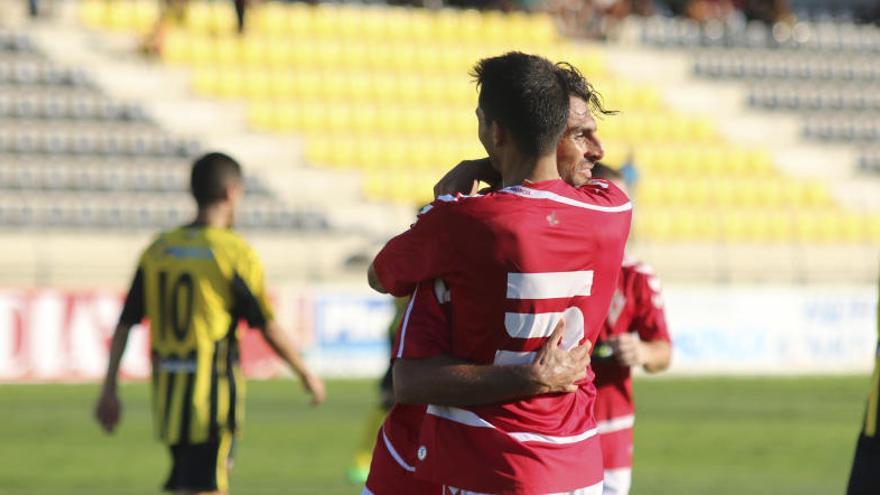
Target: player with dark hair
column 634, row 334
column 195, row 284
column 864, row 478
column 514, row 266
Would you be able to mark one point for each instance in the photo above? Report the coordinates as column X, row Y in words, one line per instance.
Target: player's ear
column 499, row 134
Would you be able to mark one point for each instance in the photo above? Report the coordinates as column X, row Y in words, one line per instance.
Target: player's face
column 234, row 193
column 580, row 147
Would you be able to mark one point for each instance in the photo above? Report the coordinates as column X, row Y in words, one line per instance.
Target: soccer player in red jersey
column 555, row 370
column 635, row 334
column 517, row 261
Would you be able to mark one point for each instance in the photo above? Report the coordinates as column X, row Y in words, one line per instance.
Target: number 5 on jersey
column 533, row 325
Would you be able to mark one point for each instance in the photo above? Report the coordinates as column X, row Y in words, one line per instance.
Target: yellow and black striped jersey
column 194, row 284
column 871, row 417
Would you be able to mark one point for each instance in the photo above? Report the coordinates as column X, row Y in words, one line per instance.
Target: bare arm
column 373, row 280
column 286, row 350
column 108, row 410
column 629, row 350
column 658, row 356
column 446, row 381
column 465, row 177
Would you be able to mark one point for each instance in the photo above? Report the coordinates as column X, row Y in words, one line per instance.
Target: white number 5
column 551, row 285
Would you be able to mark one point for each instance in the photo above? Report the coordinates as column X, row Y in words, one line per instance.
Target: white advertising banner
column 53, row 335
column 761, row 330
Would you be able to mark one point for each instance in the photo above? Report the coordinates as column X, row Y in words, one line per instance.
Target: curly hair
column 578, row 85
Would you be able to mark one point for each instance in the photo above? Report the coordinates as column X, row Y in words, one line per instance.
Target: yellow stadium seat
column 93, row 13
column 852, row 228
column 121, row 16
column 655, row 225
column 201, row 52
column 230, row 84
column 374, row 187
column 176, row 48
column 227, row 51
column 253, row 51
column 298, row 55
column 260, row 116
column 146, row 14
column 872, row 225
column 370, row 156
column 734, row 226
column 306, row 85
column 268, row 19
column 542, row 30
column 257, row 85
column 364, row 119
column 205, row 82
column 282, row 85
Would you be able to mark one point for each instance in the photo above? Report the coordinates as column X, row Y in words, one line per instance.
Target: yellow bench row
column 732, row 192
column 254, row 51
column 331, row 21
column 659, row 161
column 438, row 154
column 376, row 86
column 757, row 226
column 371, row 120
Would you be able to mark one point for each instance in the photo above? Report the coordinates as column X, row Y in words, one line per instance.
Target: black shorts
column 201, row 467
column 864, row 479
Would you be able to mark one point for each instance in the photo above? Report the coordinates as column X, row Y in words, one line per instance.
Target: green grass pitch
column 700, row 436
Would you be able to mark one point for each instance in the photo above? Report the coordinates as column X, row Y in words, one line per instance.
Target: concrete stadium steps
column 61, row 258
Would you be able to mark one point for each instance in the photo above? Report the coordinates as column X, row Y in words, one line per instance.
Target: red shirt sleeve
column 425, row 329
column 649, row 319
column 421, row 253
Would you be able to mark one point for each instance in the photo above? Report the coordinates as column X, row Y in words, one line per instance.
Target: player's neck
column 214, row 216
column 530, row 169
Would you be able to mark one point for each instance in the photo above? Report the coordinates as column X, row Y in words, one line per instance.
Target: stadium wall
column 61, row 335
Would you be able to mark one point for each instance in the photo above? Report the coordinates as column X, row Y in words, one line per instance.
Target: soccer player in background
column 515, row 263
column 634, row 334
column 194, row 284
column 864, row 478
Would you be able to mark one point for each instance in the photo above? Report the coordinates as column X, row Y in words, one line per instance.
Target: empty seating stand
column 72, row 158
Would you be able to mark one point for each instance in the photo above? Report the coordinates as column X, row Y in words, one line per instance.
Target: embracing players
column 515, row 262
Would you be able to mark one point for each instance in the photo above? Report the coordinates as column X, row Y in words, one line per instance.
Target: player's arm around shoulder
column 446, row 381
column 423, row 252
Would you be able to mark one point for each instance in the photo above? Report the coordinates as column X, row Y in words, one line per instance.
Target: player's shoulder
column 230, row 243
column 641, row 272
column 638, row 266
column 604, row 192
column 160, row 242
column 452, row 204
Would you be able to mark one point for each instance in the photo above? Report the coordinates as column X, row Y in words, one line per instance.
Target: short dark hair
column 602, row 171
column 211, row 175
column 526, row 95
column 578, row 86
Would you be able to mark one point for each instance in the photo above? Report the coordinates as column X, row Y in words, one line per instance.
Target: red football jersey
column 637, row 306
column 392, row 471
column 515, row 262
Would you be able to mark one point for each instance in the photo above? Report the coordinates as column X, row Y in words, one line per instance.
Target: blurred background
column 749, row 131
